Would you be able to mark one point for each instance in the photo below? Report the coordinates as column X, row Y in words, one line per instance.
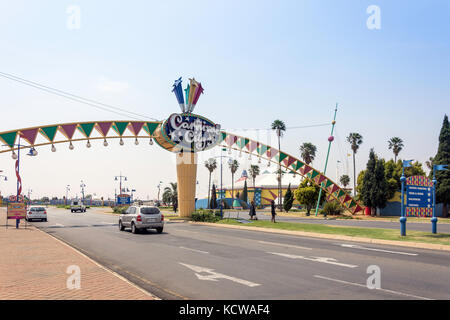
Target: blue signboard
column 123, row 199
column 419, row 196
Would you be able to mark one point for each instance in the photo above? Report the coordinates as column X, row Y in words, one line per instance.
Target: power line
column 73, row 97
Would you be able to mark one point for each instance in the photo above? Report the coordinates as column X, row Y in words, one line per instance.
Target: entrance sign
column 123, row 199
column 189, row 133
column 419, row 197
column 16, row 210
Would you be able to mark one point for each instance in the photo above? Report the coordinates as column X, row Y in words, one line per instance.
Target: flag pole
column 330, row 139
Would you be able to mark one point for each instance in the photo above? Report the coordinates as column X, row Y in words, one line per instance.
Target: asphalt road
column 417, row 226
column 191, row 261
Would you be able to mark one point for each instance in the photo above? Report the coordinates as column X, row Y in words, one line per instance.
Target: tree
column 355, row 140
column 345, row 180
column 288, row 199
column 211, row 165
column 374, row 186
column 170, row 194
column 213, row 204
column 308, row 152
column 443, row 176
column 396, row 144
column 254, row 172
column 307, row 194
column 233, row 165
column 279, row 128
column 244, row 194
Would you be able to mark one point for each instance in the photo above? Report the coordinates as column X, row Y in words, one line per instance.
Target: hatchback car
column 141, row 218
column 36, row 213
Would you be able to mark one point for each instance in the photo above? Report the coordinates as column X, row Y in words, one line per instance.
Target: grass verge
column 372, row 233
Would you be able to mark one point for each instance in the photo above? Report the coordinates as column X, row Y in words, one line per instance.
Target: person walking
column 252, row 211
column 272, row 206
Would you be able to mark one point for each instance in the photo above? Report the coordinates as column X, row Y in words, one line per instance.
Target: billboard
column 16, row 210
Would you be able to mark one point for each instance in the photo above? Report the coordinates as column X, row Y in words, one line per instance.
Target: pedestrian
column 175, row 205
column 272, row 207
column 252, row 211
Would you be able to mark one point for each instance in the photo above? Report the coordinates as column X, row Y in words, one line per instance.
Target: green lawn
column 373, row 233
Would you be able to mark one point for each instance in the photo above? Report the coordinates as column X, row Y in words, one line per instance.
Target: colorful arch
column 82, row 131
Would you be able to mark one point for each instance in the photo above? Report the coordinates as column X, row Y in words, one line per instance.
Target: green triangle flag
column 9, row 138
column 329, row 183
column 151, row 127
column 314, row 174
column 49, row 132
column 120, row 127
column 86, row 128
column 341, row 193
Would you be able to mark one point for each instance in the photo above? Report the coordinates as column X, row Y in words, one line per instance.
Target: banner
column 16, row 210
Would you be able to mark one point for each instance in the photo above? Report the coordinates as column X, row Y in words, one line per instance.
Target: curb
column 99, row 265
column 418, row 245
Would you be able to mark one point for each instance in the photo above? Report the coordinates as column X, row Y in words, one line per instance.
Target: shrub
column 120, row 210
column 332, row 208
column 205, row 216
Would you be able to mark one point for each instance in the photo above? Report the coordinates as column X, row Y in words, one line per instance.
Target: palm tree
column 308, row 152
column 211, row 165
column 234, row 165
column 345, row 180
column 254, row 172
column 355, row 140
column 279, row 128
column 170, row 194
column 396, row 144
column 430, row 163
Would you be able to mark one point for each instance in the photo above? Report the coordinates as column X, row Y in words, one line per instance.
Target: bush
column 205, row 216
column 332, row 208
column 120, row 210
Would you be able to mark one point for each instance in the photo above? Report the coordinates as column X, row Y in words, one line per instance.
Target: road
column 189, row 261
column 416, row 226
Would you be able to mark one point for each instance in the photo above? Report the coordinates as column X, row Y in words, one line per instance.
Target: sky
column 257, row 60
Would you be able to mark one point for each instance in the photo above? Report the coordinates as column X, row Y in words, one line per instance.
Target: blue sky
column 258, row 61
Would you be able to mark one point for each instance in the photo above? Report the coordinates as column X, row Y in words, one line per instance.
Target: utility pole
column 67, row 192
column 82, row 185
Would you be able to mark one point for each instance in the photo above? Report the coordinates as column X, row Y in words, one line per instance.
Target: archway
column 186, row 161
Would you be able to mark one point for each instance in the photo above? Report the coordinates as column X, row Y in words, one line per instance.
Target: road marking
column 56, row 225
column 194, row 250
column 285, row 245
column 315, row 259
column 354, row 246
column 109, row 223
column 213, row 276
column 363, row 286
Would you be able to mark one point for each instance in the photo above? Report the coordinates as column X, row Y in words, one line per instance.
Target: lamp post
column 330, row 140
column 159, row 189
column 119, row 177
column 67, row 192
column 82, row 185
column 230, row 159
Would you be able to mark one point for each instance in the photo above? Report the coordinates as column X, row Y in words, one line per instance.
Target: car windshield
column 75, row 203
column 38, row 209
column 149, row 210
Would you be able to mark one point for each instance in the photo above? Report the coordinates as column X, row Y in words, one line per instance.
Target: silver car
column 36, row 213
column 141, row 218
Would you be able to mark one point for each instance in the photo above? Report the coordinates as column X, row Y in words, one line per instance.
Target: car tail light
column 45, row 212
column 162, row 217
column 139, row 218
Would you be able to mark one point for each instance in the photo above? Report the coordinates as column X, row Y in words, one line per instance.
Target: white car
column 36, row 213
column 77, row 206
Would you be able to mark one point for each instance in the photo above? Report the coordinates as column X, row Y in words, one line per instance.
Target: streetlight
column 67, row 191
column 119, row 177
column 159, row 189
column 230, row 159
column 82, row 185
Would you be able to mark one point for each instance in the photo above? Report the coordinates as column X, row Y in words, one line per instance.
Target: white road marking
column 213, row 276
column 381, row 289
column 194, row 250
column 354, row 246
column 315, row 259
column 284, row 245
column 108, row 223
column 56, row 225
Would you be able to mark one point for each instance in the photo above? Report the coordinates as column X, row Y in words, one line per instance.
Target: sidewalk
column 33, row 265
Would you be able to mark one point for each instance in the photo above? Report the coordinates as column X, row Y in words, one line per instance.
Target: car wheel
column 45, row 220
column 121, row 227
column 134, row 229
column 159, row 230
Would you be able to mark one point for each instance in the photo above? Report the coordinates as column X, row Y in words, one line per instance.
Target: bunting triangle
column 151, row 127
column 357, row 209
column 103, row 127
column 230, row 139
column 68, row 130
column 49, row 132
column 341, row 194
column 120, row 127
column 136, row 127
column 29, row 135
column 262, row 148
column 329, row 183
column 306, row 169
column 322, row 178
column 86, row 128
column 334, row 188
column 9, row 138
column 314, row 174
column 347, row 198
